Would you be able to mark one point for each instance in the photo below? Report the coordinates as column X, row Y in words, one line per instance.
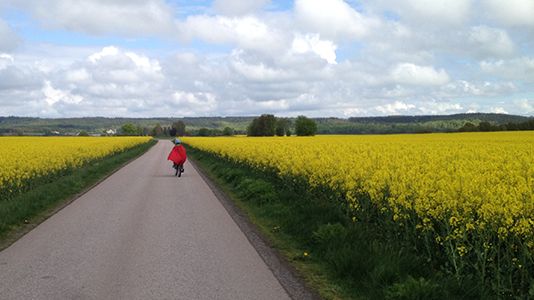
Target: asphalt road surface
column 140, row 234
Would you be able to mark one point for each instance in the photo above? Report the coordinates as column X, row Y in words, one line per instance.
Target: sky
column 319, row 58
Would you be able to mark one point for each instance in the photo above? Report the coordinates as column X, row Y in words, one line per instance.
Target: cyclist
column 178, row 155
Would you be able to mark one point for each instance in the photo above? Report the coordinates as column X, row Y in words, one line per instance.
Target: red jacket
column 177, row 155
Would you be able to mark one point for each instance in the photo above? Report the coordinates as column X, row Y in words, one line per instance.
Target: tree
column 140, row 130
column 129, row 129
column 204, row 132
column 282, row 126
column 180, row 128
column 157, row 130
column 485, row 126
column 468, row 126
column 265, row 125
column 83, row 133
column 146, row 131
column 305, row 126
column 227, row 131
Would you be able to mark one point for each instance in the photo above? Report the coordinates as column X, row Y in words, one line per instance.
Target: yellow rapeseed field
column 466, row 191
column 24, row 159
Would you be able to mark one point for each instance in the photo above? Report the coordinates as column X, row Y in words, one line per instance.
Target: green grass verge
column 346, row 259
column 23, row 212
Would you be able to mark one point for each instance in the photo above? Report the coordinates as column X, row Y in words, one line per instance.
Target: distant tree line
column 487, row 126
column 130, row 129
column 269, row 125
column 220, row 126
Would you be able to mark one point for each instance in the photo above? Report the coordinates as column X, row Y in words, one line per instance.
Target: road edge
column 282, row 270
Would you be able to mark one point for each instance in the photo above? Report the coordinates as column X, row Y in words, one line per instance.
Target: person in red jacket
column 178, row 155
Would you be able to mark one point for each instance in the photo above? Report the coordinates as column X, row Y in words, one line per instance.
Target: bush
column 257, row 190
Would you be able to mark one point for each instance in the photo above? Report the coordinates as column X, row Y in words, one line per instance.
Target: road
column 140, row 234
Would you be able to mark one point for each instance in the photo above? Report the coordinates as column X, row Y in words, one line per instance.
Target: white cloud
column 5, row 60
column 447, row 11
column 318, row 57
column 515, row 69
column 511, row 12
column 131, row 18
column 333, row 19
column 259, row 72
column 238, row 7
column 430, row 13
column 190, row 104
column 77, row 75
column 491, row 41
column 411, row 74
column 498, row 110
column 394, row 108
column 247, row 32
column 52, row 95
column 113, row 65
column 463, row 88
column 15, row 77
column 437, row 108
column 312, row 43
column 526, row 106
column 106, row 51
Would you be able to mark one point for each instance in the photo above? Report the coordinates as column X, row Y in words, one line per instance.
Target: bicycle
column 179, row 169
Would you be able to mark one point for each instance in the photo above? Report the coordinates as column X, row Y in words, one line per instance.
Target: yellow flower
column 460, row 184
column 23, row 159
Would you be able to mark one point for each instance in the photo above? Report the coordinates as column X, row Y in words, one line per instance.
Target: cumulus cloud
column 312, row 43
column 437, row 108
column 318, row 57
column 490, row 41
column 411, row 74
column 260, row 72
column 511, row 12
column 191, row 104
column 431, row 13
column 112, row 65
column 394, row 108
column 131, row 18
column 14, row 77
column 247, row 32
column 525, row 105
column 515, row 69
column 52, row 95
column 238, row 7
column 333, row 19
column 111, row 82
column 5, row 60
column 463, row 88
